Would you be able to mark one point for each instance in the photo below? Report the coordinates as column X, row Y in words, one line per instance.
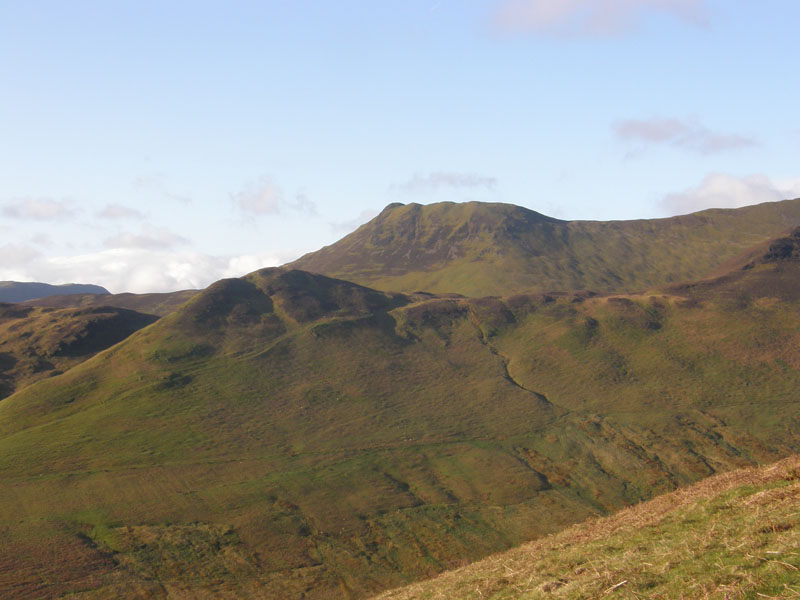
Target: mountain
column 479, row 249
column 17, row 291
column 729, row 536
column 292, row 435
column 39, row 342
column 159, row 304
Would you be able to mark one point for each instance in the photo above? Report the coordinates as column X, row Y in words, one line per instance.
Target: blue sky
column 151, row 146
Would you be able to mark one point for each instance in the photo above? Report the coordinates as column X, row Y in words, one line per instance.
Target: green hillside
column 730, row 536
column 479, row 249
column 290, row 435
column 36, row 343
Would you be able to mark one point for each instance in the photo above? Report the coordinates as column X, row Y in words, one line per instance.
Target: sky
column 151, row 146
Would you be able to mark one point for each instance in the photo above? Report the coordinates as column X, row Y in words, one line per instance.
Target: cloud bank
column 685, row 135
column 152, row 239
column 135, row 270
column 590, row 18
column 719, row 190
column 15, row 255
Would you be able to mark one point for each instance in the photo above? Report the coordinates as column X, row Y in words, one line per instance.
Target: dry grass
column 734, row 535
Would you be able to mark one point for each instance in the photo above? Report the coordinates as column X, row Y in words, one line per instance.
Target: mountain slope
column 769, row 269
column 730, row 536
column 291, row 435
column 16, row 291
column 38, row 342
column 480, row 249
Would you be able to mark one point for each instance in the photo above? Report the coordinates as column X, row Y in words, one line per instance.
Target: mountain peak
column 479, row 249
column 278, row 294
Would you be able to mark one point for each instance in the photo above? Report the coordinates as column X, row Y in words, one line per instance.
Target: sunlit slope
column 287, row 434
column 36, row 343
column 480, row 249
column 734, row 535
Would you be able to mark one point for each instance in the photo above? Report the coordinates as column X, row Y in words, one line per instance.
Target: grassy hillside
column 290, row 435
column 730, row 536
column 479, row 249
column 150, row 304
column 42, row 342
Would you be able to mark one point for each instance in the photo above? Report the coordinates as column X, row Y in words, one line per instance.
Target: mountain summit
column 479, row 249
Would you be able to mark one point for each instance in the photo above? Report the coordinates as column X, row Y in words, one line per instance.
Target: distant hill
column 291, row 435
column 17, row 291
column 36, row 343
column 46, row 336
column 729, row 536
column 479, row 249
column 159, row 304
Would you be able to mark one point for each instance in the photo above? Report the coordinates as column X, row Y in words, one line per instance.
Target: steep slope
column 481, row 249
column 159, row 304
column 768, row 270
column 290, row 435
column 16, row 291
column 39, row 342
column 731, row 536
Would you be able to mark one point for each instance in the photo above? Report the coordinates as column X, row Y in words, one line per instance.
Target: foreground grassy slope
column 479, row 249
column 42, row 342
column 732, row 536
column 290, row 435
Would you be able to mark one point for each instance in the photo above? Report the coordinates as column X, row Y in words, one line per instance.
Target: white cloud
column 264, row 197
column 17, row 254
column 133, row 269
column 39, row 209
column 687, row 135
column 590, row 17
column 726, row 191
column 444, row 179
column 153, row 239
column 118, row 211
column 247, row 263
